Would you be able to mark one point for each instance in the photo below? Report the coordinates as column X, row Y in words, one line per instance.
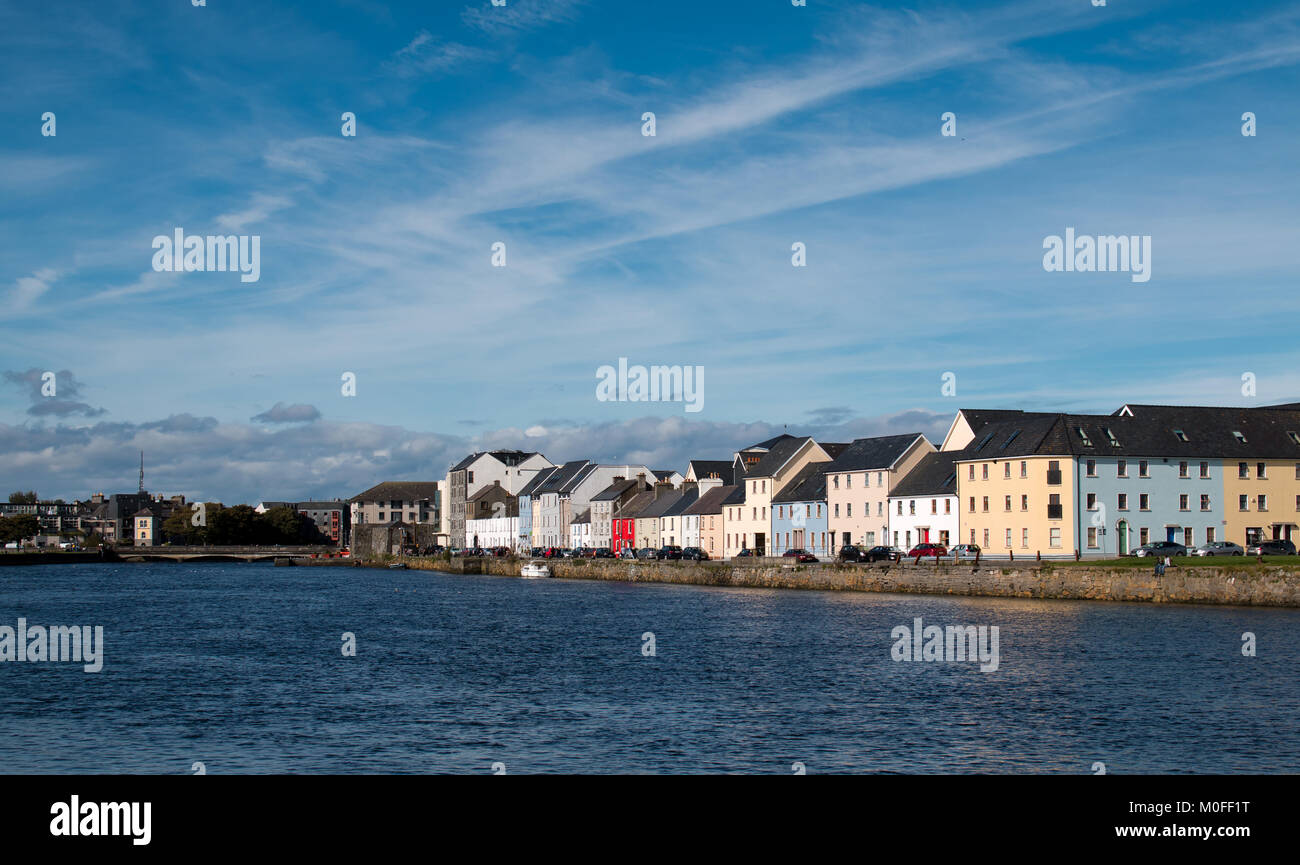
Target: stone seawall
column 1262, row 586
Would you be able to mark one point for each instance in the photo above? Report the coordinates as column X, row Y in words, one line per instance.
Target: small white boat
column 535, row 571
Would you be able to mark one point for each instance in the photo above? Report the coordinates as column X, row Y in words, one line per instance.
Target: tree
column 18, row 497
column 19, row 528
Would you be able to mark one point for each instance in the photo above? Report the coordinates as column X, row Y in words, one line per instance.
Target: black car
column 1271, row 548
column 695, row 554
column 602, row 553
column 882, row 554
column 747, row 553
column 850, row 553
column 669, row 551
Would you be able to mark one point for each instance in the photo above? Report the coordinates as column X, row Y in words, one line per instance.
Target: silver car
column 1219, row 548
column 1161, row 548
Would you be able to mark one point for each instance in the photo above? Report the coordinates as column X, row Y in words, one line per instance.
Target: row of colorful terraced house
column 1011, row 482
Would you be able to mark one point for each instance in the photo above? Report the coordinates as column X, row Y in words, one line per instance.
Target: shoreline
column 1265, row 587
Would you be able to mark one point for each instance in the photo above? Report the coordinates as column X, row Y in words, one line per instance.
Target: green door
column 1122, row 540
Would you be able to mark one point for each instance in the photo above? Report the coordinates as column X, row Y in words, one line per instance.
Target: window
column 1121, row 469
column 835, row 482
column 848, row 482
column 1209, row 535
column 837, row 511
column 1182, row 469
column 1205, row 469
column 947, row 506
column 986, row 537
column 911, row 507
column 880, row 509
column 1294, row 436
column 986, row 504
column 1144, row 502
column 1184, row 502
column 1263, row 502
column 1054, row 538
column 1144, row 536
column 1024, row 503
column 1008, row 507
column 1123, row 501
column 848, row 509
column 972, row 536
column 1092, row 501
column 1180, row 435
column 1092, row 538
column 1238, row 436
column 1242, row 503
column 1024, row 539
column 900, row 507
column 1006, row 470
column 984, row 471
column 934, row 506
column 1110, row 435
column 1091, row 468
column 972, row 472
column 1243, row 471
column 1260, row 471
column 1187, row 537
column 1054, row 506
column 1083, row 437
column 1008, row 538
column 1144, row 469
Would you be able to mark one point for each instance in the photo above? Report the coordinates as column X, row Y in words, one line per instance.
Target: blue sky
column 522, row 124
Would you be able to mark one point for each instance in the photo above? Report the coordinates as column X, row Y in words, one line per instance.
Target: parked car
column 647, row 553
column 1219, row 548
column 669, row 551
column 1271, row 548
column 746, row 553
column 627, row 553
column 799, row 555
column 602, row 553
column 570, row 554
column 694, row 554
column 882, row 554
column 1162, row 548
column 965, row 552
column 551, row 552
column 850, row 553
column 536, row 551
column 920, row 550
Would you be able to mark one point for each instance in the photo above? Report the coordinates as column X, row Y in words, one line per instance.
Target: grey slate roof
column 778, row 455
column 708, row 468
column 505, row 456
column 558, row 480
column 537, row 480
column 934, row 475
column 807, row 486
column 660, row 506
column 683, row 503
column 636, row 505
column 712, row 500
column 879, row 452
column 407, row 491
column 616, row 490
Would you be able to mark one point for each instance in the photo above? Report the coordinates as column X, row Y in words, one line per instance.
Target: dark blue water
column 239, row 667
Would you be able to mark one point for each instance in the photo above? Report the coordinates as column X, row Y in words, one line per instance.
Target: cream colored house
column 749, row 525
column 858, row 484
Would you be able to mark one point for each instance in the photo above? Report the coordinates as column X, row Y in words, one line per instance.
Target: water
column 239, row 666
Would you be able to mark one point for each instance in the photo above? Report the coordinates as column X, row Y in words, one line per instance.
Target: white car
column 1219, row 548
column 12, row 545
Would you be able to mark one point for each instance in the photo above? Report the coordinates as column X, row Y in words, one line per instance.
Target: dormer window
column 1180, row 435
column 1083, row 436
column 1238, row 436
column 1110, row 436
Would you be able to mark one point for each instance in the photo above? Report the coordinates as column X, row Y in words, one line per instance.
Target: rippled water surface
column 239, row 666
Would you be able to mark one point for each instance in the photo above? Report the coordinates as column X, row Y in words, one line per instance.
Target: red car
column 800, row 556
column 936, row 550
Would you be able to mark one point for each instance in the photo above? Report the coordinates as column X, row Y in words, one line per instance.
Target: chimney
column 663, row 487
column 689, row 486
column 640, row 476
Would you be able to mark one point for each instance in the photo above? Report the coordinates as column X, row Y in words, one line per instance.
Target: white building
column 923, row 505
column 580, row 531
column 509, row 469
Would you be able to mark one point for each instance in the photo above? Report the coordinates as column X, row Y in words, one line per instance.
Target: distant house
column 749, row 526
column 512, row 469
column 580, row 531
column 702, row 521
column 148, row 528
column 607, row 503
column 492, row 518
column 858, row 484
column 799, row 513
column 623, row 530
column 414, row 503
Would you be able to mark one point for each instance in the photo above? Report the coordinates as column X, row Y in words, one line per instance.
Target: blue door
column 1169, row 534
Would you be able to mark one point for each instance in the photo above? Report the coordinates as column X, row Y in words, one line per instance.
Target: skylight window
column 1110, row 435
column 1083, row 436
column 1295, row 437
column 1010, row 439
column 983, row 442
column 1238, row 436
column 1180, row 435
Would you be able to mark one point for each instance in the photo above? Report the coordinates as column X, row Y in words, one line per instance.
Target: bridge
column 219, row 554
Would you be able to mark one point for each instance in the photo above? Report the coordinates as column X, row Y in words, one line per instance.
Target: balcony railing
column 1054, row 512
column 1054, row 477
